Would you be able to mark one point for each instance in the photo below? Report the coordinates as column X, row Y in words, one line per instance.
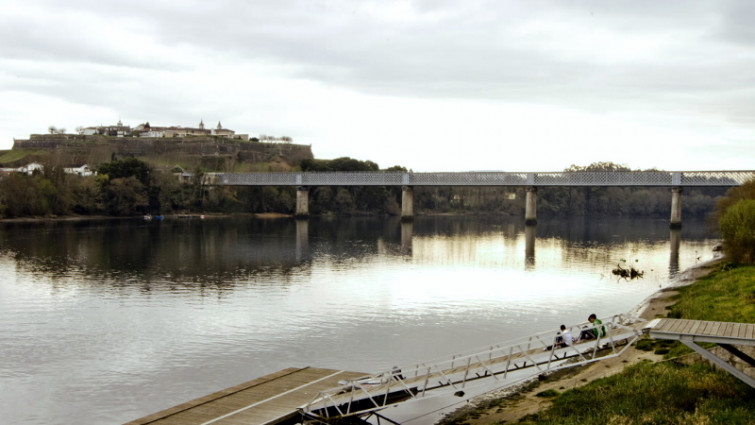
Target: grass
column 11, row 156
column 648, row 393
column 671, row 392
column 727, row 295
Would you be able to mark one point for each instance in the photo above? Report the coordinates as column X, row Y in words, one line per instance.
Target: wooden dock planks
column 720, row 332
column 266, row 400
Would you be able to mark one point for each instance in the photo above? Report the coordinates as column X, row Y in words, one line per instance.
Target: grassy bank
column 678, row 390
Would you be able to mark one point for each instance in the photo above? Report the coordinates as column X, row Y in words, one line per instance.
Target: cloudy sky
column 436, row 85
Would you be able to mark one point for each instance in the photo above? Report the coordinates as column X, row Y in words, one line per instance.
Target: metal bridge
column 505, row 364
column 677, row 180
column 484, row 178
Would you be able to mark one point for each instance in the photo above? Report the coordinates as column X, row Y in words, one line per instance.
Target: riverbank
column 513, row 404
column 195, row 216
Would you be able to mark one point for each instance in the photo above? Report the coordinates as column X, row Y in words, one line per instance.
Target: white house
column 82, row 171
column 31, row 168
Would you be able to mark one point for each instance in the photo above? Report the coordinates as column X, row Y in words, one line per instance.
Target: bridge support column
column 407, row 203
column 302, row 202
column 676, row 208
column 530, row 208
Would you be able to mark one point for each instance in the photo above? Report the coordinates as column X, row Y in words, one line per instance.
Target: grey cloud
column 449, row 49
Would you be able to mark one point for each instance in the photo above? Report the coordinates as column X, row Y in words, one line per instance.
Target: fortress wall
column 80, row 146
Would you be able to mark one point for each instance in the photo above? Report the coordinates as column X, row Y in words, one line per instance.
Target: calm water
column 103, row 323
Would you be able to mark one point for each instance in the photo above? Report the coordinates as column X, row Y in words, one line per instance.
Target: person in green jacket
column 598, row 331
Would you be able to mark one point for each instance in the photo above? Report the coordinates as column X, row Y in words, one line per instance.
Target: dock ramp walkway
column 510, row 362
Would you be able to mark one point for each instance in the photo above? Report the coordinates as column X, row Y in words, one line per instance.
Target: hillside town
column 83, row 150
column 147, row 130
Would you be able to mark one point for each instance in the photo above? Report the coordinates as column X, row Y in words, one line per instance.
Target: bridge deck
column 271, row 399
column 490, row 178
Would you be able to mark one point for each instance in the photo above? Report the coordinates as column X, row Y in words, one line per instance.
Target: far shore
column 196, row 216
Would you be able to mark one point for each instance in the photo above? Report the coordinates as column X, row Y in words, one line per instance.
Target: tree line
column 130, row 186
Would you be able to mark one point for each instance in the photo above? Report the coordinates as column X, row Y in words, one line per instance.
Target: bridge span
column 676, row 180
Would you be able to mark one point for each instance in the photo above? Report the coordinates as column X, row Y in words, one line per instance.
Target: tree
column 738, row 231
column 734, row 195
column 125, row 196
column 126, row 168
column 125, row 187
column 737, row 222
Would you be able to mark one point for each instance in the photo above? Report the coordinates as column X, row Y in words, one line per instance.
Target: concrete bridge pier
column 530, row 208
column 676, row 208
column 302, row 202
column 407, row 203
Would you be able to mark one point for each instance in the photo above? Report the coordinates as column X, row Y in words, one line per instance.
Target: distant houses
column 32, row 168
column 29, row 169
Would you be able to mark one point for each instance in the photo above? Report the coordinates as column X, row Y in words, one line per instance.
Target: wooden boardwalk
column 703, row 331
column 271, row 399
column 726, row 334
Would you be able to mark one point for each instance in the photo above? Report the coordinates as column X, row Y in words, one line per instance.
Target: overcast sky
column 431, row 85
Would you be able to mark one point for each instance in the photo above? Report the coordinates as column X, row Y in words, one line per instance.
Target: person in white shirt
column 566, row 337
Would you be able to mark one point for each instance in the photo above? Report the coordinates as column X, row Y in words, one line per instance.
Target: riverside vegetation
column 681, row 389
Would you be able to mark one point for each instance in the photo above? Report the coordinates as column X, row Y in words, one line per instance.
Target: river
column 106, row 322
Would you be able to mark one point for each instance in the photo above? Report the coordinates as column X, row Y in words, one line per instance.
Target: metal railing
column 487, row 178
column 536, row 354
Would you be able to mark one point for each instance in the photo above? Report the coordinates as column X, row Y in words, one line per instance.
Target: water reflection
column 530, row 232
column 407, row 230
column 302, row 241
column 675, row 240
column 224, row 252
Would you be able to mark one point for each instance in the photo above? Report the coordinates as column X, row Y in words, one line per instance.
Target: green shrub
column 645, row 344
column 738, row 231
column 548, row 393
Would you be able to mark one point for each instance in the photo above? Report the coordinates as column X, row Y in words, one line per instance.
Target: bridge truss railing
column 529, row 356
column 484, row 178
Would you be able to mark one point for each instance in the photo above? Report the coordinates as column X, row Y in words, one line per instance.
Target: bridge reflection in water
column 530, row 237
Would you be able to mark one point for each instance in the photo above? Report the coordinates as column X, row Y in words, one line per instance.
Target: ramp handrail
column 539, row 352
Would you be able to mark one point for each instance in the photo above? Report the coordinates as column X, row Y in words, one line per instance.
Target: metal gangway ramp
column 527, row 357
column 725, row 334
